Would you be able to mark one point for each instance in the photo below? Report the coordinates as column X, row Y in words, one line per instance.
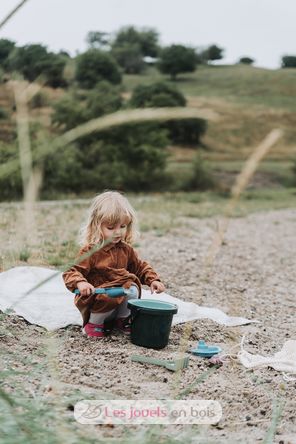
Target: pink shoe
column 94, row 330
column 123, row 325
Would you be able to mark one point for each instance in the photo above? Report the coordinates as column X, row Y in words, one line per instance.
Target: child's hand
column 85, row 288
column 157, row 286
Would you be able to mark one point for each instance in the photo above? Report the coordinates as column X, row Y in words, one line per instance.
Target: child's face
column 116, row 231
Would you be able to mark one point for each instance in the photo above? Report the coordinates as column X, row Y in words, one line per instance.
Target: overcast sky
column 262, row 29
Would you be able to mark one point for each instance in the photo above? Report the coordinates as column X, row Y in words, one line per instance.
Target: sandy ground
column 253, row 275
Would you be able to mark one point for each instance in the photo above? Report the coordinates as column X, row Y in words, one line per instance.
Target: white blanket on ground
column 283, row 361
column 51, row 305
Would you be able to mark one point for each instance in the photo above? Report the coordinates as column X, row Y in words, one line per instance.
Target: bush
column 294, row 173
column 94, row 66
column 246, row 61
column 289, row 61
column 159, row 94
column 200, row 178
column 11, row 186
column 76, row 108
column 6, row 47
column 129, row 157
column 103, row 99
column 3, row 113
column 63, row 172
column 132, row 157
column 186, row 132
column 39, row 100
column 69, row 112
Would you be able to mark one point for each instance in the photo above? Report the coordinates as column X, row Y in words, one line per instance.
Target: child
column 112, row 219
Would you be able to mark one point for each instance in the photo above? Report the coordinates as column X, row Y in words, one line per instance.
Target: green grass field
column 237, row 83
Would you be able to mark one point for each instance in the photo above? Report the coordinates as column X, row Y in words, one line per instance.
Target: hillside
column 249, row 101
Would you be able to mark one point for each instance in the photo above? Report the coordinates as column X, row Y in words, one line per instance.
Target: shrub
column 76, row 108
column 6, row 47
column 246, row 61
column 63, row 171
column 103, row 99
column 162, row 94
column 131, row 157
column 11, row 186
column 3, row 113
column 294, row 173
column 69, row 112
column 39, row 100
column 289, row 61
column 95, row 65
column 200, row 178
column 187, row 131
column 159, row 94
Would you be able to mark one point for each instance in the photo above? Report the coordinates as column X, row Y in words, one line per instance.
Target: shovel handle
column 138, row 358
column 112, row 292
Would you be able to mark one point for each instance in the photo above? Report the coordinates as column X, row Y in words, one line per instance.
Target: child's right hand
column 85, row 288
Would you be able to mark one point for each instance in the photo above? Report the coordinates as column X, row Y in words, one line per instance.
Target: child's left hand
column 157, row 286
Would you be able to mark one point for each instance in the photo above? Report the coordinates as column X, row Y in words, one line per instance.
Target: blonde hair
column 110, row 207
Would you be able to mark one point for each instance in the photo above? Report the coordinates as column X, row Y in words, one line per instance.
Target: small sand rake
column 174, row 365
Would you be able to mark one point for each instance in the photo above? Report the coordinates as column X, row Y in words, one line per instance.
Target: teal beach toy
column 113, row 292
column 151, row 322
column 204, row 350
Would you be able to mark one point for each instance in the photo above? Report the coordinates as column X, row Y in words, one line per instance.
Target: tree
column 130, row 46
column 98, row 39
column 93, row 66
column 289, row 61
column 129, row 57
column 175, row 59
column 246, row 61
column 158, row 94
column 6, row 47
column 147, row 39
column 213, row 52
column 149, row 42
column 34, row 60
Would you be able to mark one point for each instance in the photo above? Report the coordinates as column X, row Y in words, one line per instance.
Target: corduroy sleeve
column 141, row 269
column 78, row 272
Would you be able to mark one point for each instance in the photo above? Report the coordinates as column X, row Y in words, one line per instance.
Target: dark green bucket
column 151, row 322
